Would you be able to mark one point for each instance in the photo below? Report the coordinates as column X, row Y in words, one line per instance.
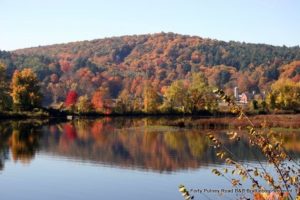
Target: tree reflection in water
column 19, row 138
column 23, row 142
column 124, row 142
column 4, row 135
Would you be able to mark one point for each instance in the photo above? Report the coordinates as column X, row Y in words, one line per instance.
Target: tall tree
column 99, row 98
column 83, row 104
column 151, row 99
column 124, row 102
column 200, row 94
column 25, row 90
column 176, row 97
column 5, row 100
column 71, row 99
column 197, row 91
column 285, row 95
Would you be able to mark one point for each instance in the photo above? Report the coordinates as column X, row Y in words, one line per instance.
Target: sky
column 28, row 23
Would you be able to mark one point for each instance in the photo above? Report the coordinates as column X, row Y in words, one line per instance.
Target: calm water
column 115, row 158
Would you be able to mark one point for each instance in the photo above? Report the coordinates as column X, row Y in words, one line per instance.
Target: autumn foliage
column 100, row 98
column 125, row 63
column 25, row 89
column 71, row 99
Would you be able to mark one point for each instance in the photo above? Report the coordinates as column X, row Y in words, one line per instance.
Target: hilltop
column 120, row 63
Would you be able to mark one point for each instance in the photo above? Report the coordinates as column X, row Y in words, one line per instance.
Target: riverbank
column 42, row 113
column 202, row 119
column 23, row 115
column 259, row 121
column 54, row 113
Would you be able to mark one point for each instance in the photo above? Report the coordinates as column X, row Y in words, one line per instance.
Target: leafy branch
column 268, row 145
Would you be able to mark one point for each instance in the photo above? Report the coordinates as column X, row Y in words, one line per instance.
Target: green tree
column 271, row 100
column 25, row 90
column 176, row 97
column 263, row 106
column 190, row 97
column 5, row 100
column 254, row 104
column 200, row 95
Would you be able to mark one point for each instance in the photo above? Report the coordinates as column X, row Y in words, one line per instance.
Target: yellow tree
column 151, row 99
column 190, row 96
column 200, row 94
column 285, row 94
column 25, row 90
column 83, row 104
column 176, row 97
column 124, row 102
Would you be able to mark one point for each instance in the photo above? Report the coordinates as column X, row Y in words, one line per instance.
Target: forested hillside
column 123, row 66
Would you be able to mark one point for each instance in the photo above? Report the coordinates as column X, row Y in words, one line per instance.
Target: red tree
column 71, row 98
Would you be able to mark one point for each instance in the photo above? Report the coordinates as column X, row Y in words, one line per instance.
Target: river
column 120, row 158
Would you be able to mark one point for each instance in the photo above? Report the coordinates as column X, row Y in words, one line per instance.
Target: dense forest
column 140, row 70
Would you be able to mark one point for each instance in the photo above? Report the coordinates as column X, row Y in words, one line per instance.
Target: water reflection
column 131, row 143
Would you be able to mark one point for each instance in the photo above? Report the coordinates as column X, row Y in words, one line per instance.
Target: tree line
column 193, row 95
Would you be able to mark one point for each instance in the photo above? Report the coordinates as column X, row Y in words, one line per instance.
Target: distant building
column 236, row 93
column 243, row 98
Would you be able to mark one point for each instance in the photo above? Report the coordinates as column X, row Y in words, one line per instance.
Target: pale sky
column 27, row 23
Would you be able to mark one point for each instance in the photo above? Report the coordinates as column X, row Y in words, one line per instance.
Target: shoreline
column 199, row 120
column 57, row 114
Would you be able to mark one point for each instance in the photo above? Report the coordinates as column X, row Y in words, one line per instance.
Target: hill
column 124, row 63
